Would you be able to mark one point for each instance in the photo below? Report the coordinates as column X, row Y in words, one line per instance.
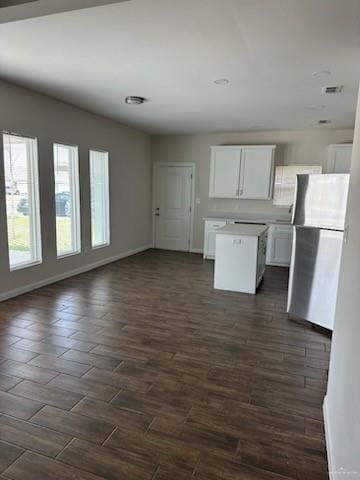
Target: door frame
column 192, row 194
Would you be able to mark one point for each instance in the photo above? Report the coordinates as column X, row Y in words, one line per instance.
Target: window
column 22, row 200
column 99, row 189
column 285, row 182
column 66, row 171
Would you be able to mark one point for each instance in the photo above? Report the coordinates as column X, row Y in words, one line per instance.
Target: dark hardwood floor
column 140, row 370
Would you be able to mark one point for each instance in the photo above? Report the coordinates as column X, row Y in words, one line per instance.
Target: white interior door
column 173, row 193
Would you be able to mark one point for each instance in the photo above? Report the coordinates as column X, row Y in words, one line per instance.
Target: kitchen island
column 240, row 257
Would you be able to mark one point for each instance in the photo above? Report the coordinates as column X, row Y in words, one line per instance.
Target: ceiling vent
column 332, row 89
column 323, row 122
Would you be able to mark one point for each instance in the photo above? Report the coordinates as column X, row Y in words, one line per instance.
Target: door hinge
column 191, row 176
column 190, row 209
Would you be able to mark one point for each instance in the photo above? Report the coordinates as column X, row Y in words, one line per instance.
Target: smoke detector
column 321, row 73
column 221, row 81
column 332, row 89
column 133, row 100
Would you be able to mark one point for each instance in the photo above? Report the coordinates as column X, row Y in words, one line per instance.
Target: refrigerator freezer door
column 321, row 201
column 314, row 275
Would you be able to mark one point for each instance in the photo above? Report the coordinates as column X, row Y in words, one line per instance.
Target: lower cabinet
column 239, row 262
column 276, row 250
column 210, row 237
column 279, row 245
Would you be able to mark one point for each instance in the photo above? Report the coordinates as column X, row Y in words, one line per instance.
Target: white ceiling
column 170, row 51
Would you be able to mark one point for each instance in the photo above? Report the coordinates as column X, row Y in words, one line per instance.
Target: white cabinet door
column 339, row 160
column 210, row 237
column 279, row 245
column 256, row 173
column 224, row 172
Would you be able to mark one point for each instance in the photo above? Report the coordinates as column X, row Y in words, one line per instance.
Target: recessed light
column 321, row 73
column 221, row 81
column 316, row 107
column 133, row 100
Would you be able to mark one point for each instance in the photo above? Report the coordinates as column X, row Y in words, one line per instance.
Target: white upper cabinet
column 339, row 158
column 225, row 172
column 243, row 172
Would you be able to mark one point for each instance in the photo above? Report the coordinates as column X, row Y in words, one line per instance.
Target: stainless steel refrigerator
column 318, row 219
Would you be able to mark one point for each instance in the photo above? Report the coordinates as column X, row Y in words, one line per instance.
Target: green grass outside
column 18, row 232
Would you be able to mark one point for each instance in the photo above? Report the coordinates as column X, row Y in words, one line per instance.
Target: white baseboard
column 196, row 250
column 328, row 439
column 62, row 276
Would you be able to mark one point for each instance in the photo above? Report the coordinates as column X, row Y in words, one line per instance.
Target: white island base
column 240, row 257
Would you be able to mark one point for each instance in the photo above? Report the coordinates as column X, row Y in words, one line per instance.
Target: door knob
column 157, row 214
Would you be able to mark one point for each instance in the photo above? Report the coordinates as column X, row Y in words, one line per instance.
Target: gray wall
column 51, row 121
column 293, row 147
column 343, row 397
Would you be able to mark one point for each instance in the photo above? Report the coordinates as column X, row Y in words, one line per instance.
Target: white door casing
column 173, row 206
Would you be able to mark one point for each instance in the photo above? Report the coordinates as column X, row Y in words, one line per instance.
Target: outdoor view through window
column 22, row 200
column 99, row 189
column 66, row 171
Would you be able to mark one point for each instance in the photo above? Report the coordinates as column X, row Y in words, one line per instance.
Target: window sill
column 98, row 247
column 23, row 266
column 70, row 254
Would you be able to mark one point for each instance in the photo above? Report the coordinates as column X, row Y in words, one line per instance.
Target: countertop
column 249, row 218
column 243, row 229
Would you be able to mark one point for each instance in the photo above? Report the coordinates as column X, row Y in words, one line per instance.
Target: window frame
column 75, row 204
column 32, row 160
column 106, row 206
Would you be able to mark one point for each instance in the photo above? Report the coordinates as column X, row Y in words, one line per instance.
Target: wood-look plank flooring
column 140, row 370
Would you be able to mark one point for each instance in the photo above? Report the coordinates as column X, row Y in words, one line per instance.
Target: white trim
column 69, row 254
column 74, row 180
column 328, row 439
column 24, row 265
column 62, row 276
column 196, row 250
column 34, row 217
column 243, row 146
column 175, row 164
column 106, row 192
column 341, row 145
